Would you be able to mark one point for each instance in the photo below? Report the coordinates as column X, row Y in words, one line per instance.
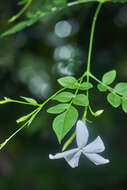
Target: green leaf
column 109, row 77
column 46, row 8
column 30, row 100
column 81, row 100
column 63, row 123
column 121, row 88
column 19, row 26
column 86, row 86
column 101, row 88
column 114, row 100
column 68, row 82
column 64, row 97
column 58, row 108
column 124, row 105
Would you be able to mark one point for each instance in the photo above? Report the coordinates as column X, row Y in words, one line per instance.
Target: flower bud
column 99, row 112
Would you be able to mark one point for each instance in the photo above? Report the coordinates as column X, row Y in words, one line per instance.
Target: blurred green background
column 30, row 63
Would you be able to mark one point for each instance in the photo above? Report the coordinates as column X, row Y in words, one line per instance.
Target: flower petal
column 96, row 158
column 63, row 154
column 73, row 159
column 95, row 147
column 81, row 134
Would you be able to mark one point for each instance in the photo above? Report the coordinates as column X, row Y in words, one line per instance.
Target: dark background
column 30, row 63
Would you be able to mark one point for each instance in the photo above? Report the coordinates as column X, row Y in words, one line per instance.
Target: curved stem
column 90, row 51
column 51, row 97
column 12, row 19
column 92, row 36
column 33, row 115
column 83, row 1
column 91, row 111
column 8, row 139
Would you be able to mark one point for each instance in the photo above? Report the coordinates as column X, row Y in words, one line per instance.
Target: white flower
column 90, row 150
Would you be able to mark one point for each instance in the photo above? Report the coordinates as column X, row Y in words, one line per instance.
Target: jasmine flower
column 90, row 151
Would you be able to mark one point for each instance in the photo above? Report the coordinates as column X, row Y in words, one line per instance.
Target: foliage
column 75, row 92
column 44, row 9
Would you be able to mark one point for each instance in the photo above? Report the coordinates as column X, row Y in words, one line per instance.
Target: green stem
column 90, row 52
column 24, row 118
column 12, row 19
column 88, row 67
column 106, row 86
column 21, row 102
column 51, row 97
column 91, row 111
column 68, row 5
column 92, row 36
column 33, row 114
column 8, row 139
column 69, row 141
column 83, row 1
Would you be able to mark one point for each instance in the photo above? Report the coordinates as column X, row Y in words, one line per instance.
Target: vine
column 74, row 92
